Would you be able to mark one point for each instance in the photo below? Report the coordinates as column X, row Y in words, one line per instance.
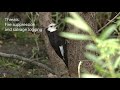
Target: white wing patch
column 61, row 50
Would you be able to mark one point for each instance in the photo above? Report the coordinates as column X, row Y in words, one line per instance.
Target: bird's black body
column 57, row 41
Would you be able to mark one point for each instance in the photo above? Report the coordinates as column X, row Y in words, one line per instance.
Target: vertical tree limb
column 57, row 63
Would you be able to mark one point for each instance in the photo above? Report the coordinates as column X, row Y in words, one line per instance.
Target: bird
column 57, row 42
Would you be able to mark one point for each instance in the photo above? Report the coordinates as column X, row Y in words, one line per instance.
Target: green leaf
column 91, row 56
column 74, row 36
column 117, row 62
column 91, row 47
column 118, row 23
column 79, row 22
column 90, row 76
column 108, row 31
column 75, row 15
column 101, row 69
column 119, row 28
column 118, row 17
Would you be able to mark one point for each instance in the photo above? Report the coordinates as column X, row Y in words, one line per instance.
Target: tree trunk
column 76, row 49
column 57, row 63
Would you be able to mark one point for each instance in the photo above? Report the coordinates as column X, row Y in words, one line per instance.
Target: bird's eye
column 51, row 26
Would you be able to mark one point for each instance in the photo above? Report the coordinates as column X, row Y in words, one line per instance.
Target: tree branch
column 26, row 60
column 108, row 23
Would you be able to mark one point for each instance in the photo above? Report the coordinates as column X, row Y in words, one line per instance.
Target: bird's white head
column 52, row 27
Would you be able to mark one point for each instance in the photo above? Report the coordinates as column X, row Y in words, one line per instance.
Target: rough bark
column 76, row 49
column 57, row 63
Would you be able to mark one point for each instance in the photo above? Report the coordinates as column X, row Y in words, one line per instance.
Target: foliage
column 3, row 33
column 58, row 18
column 33, row 19
column 19, row 69
column 102, row 18
column 107, row 59
column 10, row 68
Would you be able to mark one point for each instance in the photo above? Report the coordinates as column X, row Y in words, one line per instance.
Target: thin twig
column 108, row 23
column 79, row 68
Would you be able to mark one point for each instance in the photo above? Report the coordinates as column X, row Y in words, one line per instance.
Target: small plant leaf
column 79, row 22
column 74, row 36
column 91, row 47
column 91, row 56
column 117, row 62
column 108, row 31
column 90, row 76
